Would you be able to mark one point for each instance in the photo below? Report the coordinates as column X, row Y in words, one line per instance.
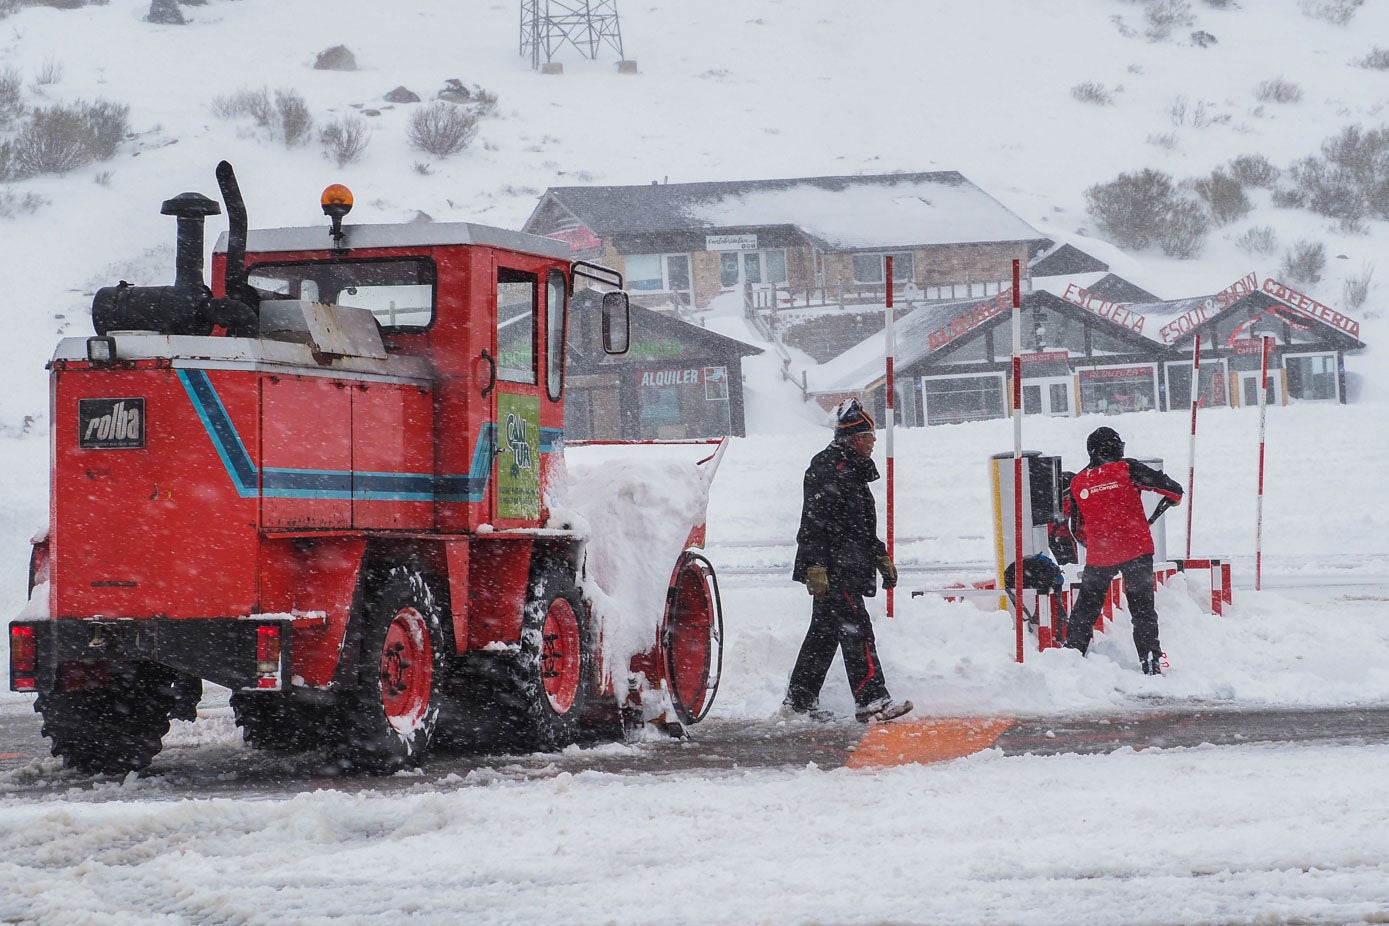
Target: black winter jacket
column 839, row 522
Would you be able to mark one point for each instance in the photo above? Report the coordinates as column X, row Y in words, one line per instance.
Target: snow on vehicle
column 326, row 484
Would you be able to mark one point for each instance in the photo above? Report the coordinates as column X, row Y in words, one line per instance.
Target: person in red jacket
column 1107, row 517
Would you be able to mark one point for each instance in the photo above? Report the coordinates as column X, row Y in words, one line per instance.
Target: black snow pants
column 1138, row 589
column 837, row 619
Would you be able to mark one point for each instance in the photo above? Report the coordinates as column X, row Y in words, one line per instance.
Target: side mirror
column 617, row 322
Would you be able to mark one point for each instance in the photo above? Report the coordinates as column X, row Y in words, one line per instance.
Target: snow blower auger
column 325, row 483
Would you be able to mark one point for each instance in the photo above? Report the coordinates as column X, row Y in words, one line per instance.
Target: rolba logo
column 111, row 424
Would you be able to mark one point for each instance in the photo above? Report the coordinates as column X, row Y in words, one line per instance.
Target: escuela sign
column 1110, row 311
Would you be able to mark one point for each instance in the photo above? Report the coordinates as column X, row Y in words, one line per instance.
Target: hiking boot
column 882, row 710
column 817, row 713
column 1152, row 664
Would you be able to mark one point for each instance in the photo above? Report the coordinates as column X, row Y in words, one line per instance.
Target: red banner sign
column 1112, row 311
column 1117, row 373
column 1183, row 324
column 1310, row 307
column 969, row 320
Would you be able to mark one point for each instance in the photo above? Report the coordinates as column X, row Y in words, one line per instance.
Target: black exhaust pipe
column 187, row 307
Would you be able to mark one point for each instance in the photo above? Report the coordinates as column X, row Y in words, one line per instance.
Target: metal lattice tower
column 547, row 25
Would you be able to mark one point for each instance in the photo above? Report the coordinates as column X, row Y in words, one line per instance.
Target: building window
column 683, row 402
column 658, row 272
column 1213, row 385
column 1312, row 377
column 952, row 399
column 1110, row 390
column 738, row 267
column 516, row 294
column 868, row 268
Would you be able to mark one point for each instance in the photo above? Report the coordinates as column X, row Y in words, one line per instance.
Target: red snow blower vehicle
column 324, row 483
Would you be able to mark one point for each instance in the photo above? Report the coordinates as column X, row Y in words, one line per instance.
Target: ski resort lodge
column 806, row 258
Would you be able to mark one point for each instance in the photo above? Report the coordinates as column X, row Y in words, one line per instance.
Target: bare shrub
column 1183, row 230
column 1091, row 92
column 254, row 104
column 1178, row 110
column 345, row 139
column 285, row 115
column 1258, row 240
column 1336, row 12
column 1163, row 16
column 11, row 96
column 442, row 129
column 1219, row 4
column 1355, row 290
column 295, row 121
column 49, row 73
column 1133, row 207
column 1350, row 180
column 8, row 169
column 58, row 139
column 1167, row 141
column 1254, row 170
column 1377, row 59
column 1303, row 262
column 1278, row 90
column 1224, row 195
column 422, row 168
column 108, row 123
column 12, row 204
column 1325, row 189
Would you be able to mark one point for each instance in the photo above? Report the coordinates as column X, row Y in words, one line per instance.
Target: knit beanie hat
column 1105, row 444
column 850, row 418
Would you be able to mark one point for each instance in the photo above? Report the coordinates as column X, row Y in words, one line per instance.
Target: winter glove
column 889, row 572
column 817, row 580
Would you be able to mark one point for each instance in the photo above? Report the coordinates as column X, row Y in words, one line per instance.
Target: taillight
column 268, row 656
column 24, row 658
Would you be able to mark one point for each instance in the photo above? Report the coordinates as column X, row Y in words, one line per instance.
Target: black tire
column 538, row 694
column 274, row 722
column 387, row 721
column 115, row 729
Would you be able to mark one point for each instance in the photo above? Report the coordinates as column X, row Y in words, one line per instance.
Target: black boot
column 1151, row 663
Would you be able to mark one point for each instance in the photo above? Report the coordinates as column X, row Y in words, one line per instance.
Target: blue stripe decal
column 222, row 432
column 277, row 482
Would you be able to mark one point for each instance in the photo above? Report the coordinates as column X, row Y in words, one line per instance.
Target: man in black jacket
column 838, row 557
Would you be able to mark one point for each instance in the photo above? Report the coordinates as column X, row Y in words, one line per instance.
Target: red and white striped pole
column 1263, row 410
column 1191, row 441
column 890, row 387
column 1017, row 460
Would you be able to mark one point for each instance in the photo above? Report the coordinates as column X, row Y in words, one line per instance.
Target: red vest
column 1115, row 525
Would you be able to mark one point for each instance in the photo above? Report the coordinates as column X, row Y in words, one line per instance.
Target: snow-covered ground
column 732, row 89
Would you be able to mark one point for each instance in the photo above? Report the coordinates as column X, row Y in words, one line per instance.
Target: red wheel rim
column 559, row 656
column 407, row 670
column 689, row 644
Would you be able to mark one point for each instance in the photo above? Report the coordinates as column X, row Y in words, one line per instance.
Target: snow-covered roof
column 846, row 213
column 405, row 234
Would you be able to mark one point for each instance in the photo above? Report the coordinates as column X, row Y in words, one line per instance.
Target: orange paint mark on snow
column 924, row 741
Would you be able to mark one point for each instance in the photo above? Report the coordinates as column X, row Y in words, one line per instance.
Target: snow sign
column 1184, row 323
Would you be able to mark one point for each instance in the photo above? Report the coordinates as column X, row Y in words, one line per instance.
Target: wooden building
column 811, row 240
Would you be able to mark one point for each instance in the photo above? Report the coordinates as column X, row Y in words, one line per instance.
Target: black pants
column 837, row 619
column 1138, row 589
